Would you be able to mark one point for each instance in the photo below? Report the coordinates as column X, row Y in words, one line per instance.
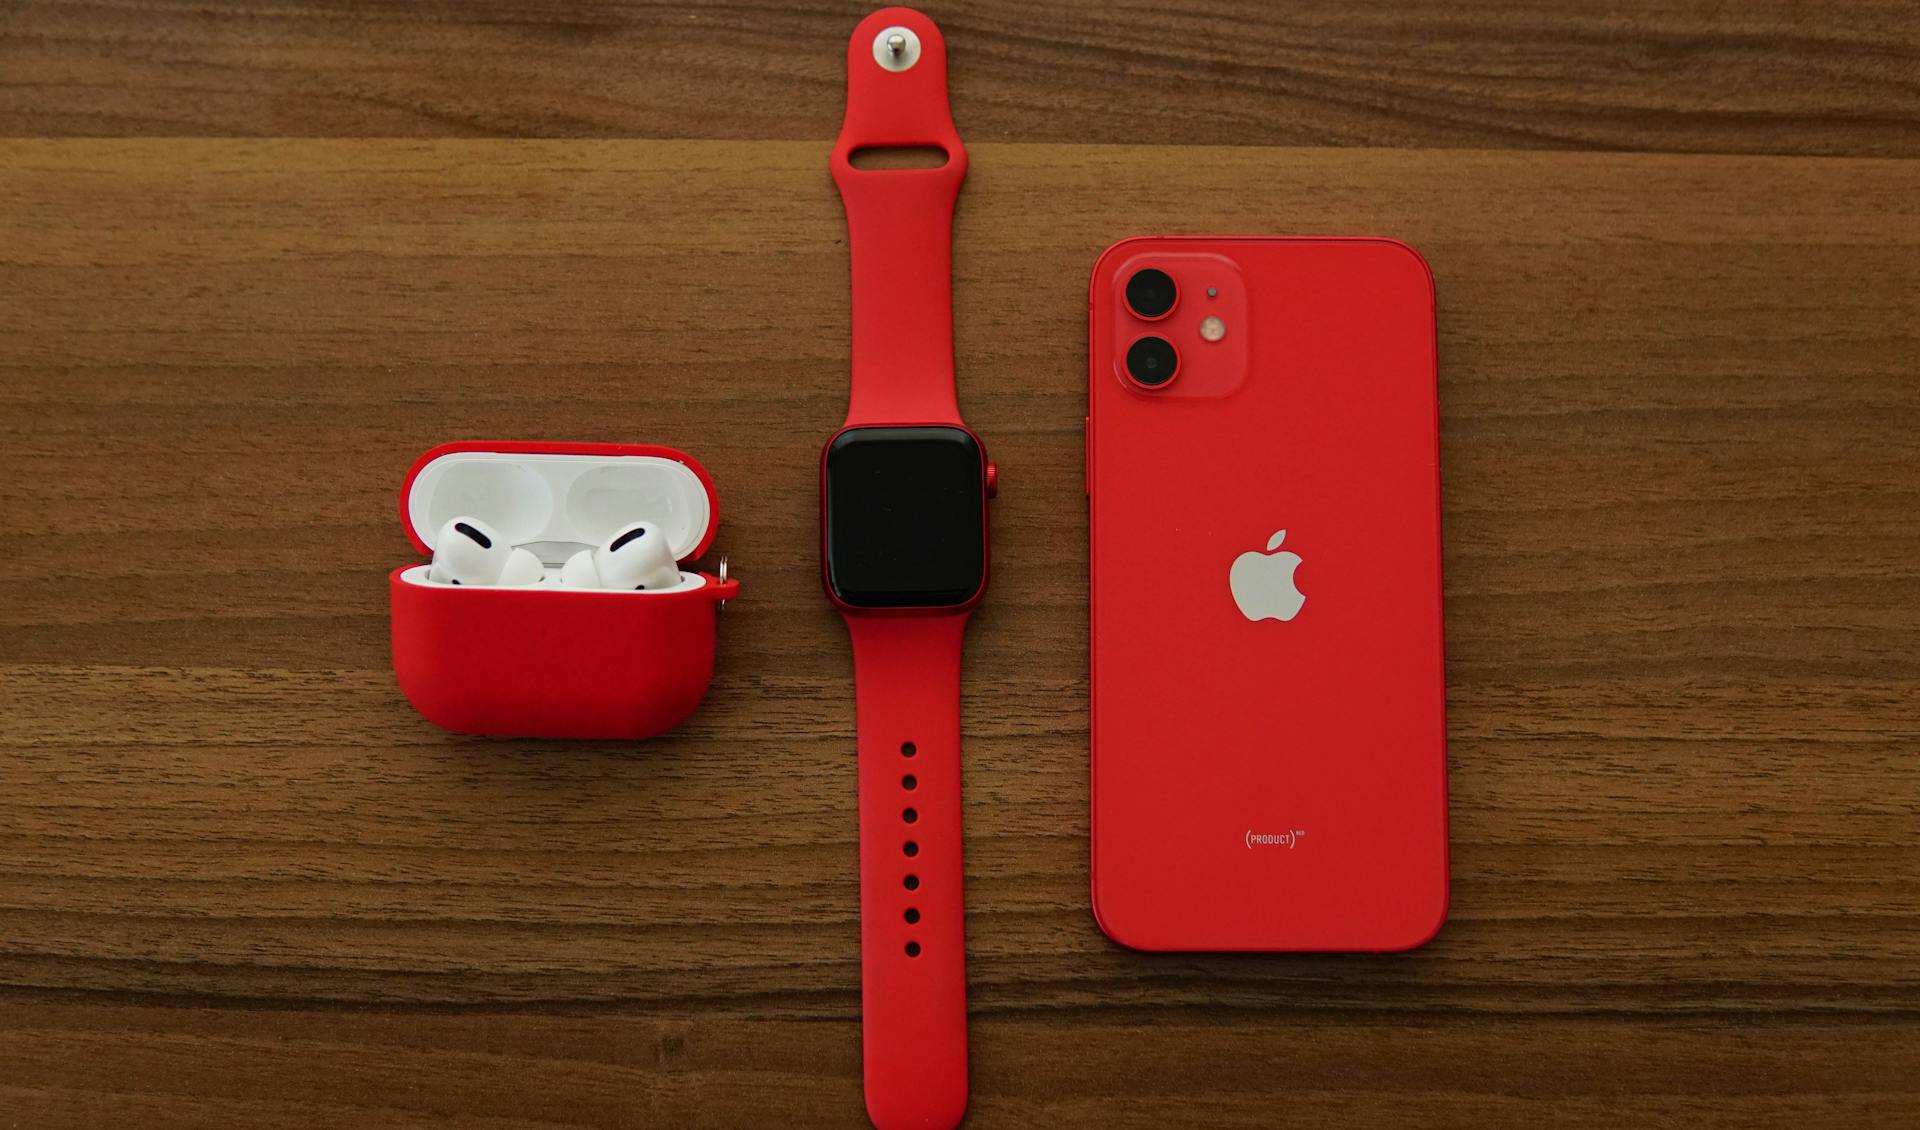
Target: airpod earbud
column 637, row 557
column 470, row 552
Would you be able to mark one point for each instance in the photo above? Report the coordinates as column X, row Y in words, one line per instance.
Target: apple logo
column 1262, row 583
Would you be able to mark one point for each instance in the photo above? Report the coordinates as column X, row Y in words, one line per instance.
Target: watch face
column 906, row 517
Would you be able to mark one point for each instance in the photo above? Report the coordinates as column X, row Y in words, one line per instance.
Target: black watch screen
column 906, row 517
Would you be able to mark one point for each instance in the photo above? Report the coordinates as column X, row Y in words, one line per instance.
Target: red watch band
column 913, row 973
column 906, row 665
column 900, row 225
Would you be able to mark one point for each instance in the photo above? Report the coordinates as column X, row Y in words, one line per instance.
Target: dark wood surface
column 242, row 884
column 1696, row 76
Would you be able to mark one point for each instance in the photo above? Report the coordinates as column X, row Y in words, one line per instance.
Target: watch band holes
column 910, row 815
column 908, row 749
column 912, row 849
column 913, row 915
column 909, row 782
column 913, row 949
column 913, row 882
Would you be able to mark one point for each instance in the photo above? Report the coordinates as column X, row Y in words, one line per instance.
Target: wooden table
column 1678, row 256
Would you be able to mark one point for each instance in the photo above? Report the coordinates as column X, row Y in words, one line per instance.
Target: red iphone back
column 1269, row 733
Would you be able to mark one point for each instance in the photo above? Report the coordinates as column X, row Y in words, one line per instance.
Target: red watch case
column 543, row 661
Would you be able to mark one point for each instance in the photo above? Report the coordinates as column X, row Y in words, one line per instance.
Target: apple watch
column 904, row 490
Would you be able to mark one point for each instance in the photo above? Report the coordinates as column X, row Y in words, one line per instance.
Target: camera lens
column 1151, row 361
column 1151, row 293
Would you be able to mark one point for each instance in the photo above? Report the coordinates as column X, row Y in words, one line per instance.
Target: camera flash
column 1212, row 328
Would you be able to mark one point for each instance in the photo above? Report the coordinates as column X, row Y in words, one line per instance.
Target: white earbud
column 637, row 557
column 470, row 552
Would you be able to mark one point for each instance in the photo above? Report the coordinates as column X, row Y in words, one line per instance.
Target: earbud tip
column 579, row 571
column 523, row 568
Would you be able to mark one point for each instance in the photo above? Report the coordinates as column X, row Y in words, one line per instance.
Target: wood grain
column 241, row 883
column 1765, row 76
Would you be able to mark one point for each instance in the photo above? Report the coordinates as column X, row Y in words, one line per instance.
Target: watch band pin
column 896, row 48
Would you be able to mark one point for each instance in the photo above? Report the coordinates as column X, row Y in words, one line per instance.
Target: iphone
column 1268, row 689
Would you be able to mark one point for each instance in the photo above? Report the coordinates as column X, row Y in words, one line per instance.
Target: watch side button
column 993, row 480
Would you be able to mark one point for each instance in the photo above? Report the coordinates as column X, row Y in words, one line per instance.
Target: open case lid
column 555, row 498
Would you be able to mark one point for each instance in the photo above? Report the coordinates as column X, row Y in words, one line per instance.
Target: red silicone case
column 1268, row 784
column 511, row 662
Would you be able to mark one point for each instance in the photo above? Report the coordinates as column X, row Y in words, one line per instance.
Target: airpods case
column 546, row 660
